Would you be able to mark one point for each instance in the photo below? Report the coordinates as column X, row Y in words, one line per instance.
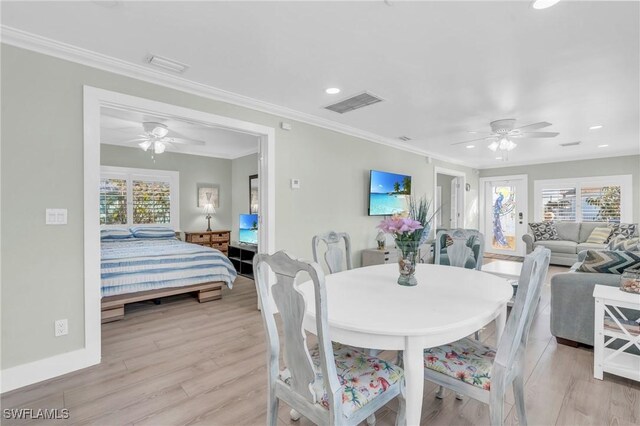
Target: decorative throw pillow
column 544, row 231
column 627, row 230
column 622, row 243
column 115, row 234
column 609, row 262
column 152, row 232
column 599, row 235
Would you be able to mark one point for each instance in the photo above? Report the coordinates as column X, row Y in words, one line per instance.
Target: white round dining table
column 367, row 308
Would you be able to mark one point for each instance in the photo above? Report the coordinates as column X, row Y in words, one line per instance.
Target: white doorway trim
column 94, row 99
column 461, row 194
column 482, row 214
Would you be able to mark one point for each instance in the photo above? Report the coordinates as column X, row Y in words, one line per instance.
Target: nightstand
column 214, row 239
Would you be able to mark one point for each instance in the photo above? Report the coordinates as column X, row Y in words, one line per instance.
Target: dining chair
column 465, row 250
column 334, row 256
column 483, row 372
column 330, row 383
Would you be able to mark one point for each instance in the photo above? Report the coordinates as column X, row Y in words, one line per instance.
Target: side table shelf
column 611, row 325
column 241, row 255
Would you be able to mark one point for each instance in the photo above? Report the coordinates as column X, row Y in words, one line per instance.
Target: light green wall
column 241, row 169
column 193, row 169
column 627, row 165
column 42, row 166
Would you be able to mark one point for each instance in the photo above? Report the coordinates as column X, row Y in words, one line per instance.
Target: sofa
column 573, row 237
column 572, row 304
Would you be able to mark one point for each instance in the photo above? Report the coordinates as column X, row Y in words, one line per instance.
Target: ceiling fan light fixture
column 145, row 145
column 493, row 146
column 543, row 4
column 158, row 147
column 160, row 132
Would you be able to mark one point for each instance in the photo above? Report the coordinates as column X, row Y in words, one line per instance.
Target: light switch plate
column 56, row 217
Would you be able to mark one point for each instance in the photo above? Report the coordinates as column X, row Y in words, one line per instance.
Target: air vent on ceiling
column 404, row 138
column 166, row 64
column 571, row 143
column 354, row 102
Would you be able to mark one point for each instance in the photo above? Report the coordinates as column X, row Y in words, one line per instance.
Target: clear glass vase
column 408, row 255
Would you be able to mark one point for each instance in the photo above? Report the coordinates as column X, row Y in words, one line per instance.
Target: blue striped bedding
column 140, row 264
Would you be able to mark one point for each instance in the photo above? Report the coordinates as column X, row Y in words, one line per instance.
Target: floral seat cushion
column 362, row 377
column 467, row 360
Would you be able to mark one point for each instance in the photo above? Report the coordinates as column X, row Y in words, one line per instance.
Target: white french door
column 503, row 214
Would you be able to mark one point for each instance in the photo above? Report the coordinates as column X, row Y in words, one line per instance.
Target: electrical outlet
column 61, row 327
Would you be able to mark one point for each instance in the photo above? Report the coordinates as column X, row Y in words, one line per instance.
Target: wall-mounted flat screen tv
column 249, row 228
column 388, row 193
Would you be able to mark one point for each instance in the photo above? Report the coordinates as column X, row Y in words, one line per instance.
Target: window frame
column 130, row 174
column 623, row 181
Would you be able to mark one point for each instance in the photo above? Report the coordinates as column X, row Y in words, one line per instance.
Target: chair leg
column 401, row 417
column 518, row 393
column 273, row 409
column 371, row 420
column 477, row 335
column 294, row 415
column 496, row 408
column 440, row 393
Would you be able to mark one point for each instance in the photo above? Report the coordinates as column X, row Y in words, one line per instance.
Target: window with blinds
column 113, row 201
column 151, row 202
column 600, row 204
column 559, row 204
column 139, row 197
column 595, row 199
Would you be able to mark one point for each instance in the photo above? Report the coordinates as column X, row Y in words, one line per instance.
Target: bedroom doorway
column 96, row 101
column 449, row 189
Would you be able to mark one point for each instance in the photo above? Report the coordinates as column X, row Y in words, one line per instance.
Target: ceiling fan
column 158, row 136
column 503, row 132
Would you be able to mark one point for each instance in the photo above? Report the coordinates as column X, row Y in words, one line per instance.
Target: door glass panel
column 504, row 217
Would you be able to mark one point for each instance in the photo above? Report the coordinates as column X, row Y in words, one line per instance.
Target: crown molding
column 26, row 40
column 593, row 156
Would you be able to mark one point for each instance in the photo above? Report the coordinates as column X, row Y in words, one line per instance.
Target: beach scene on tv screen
column 388, row 193
column 249, row 228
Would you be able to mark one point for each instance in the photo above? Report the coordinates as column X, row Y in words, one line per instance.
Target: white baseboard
column 43, row 369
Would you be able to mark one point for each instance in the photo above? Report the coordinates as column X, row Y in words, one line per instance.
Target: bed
column 139, row 268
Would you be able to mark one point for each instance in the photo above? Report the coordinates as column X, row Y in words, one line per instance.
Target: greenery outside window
column 138, row 196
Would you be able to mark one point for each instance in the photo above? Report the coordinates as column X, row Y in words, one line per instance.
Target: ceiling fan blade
column 185, row 141
column 534, row 126
column 475, row 140
column 530, row 135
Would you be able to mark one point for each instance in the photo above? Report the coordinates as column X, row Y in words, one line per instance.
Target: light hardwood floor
column 188, row 363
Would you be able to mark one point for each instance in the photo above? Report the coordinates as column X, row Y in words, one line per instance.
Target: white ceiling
column 443, row 68
column 121, row 127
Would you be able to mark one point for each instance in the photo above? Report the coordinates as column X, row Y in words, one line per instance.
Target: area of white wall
column 43, row 282
column 241, row 169
column 611, row 166
column 193, row 169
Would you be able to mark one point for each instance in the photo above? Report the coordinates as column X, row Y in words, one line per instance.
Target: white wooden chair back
column 514, row 339
column 334, row 256
column 291, row 305
column 459, row 251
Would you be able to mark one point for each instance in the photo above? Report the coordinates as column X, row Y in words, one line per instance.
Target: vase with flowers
column 410, row 230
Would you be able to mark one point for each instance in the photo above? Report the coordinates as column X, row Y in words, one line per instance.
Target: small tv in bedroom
column 388, row 193
column 249, row 228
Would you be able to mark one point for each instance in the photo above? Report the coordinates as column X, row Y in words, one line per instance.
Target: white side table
column 611, row 324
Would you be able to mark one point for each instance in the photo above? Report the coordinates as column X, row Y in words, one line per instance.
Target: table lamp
column 208, row 211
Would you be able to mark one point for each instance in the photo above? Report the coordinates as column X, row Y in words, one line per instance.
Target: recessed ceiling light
column 471, row 146
column 596, row 127
column 543, row 4
column 332, row 91
column 498, row 158
column 603, row 146
column 472, row 132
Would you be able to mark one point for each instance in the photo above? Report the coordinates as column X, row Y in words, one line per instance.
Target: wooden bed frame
column 113, row 306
